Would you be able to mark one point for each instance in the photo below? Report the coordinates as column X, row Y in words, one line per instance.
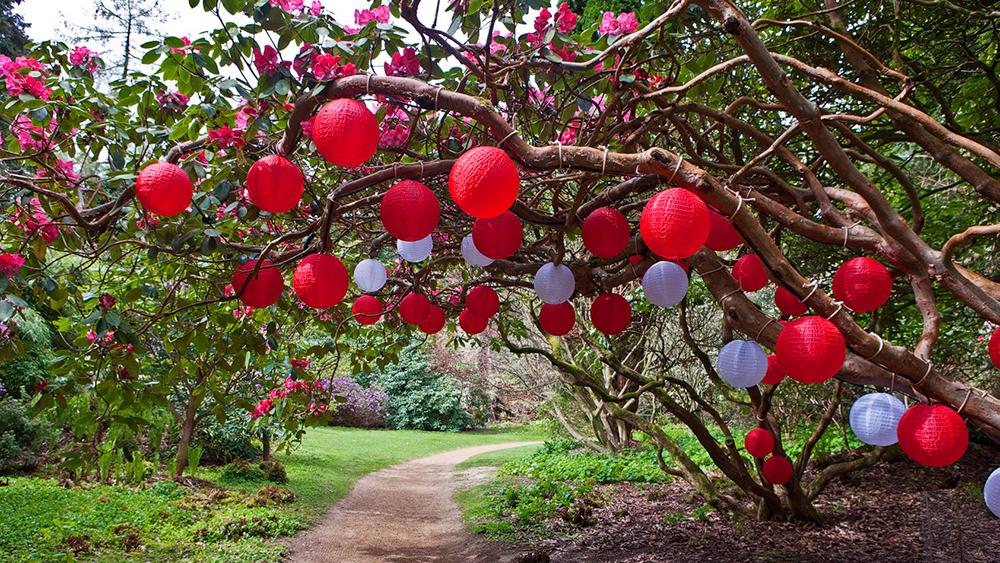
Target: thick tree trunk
column 187, row 432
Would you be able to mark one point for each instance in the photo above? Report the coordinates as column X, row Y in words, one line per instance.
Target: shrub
column 19, row 376
column 274, row 471
column 357, row 406
column 226, row 441
column 269, row 496
column 21, row 437
column 560, row 461
column 419, row 398
column 240, row 470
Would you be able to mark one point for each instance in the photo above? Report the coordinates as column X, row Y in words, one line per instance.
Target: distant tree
column 12, row 29
column 122, row 22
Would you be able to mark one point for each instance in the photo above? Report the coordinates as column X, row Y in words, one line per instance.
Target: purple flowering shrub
column 357, row 406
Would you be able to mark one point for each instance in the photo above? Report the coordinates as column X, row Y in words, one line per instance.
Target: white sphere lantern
column 665, row 284
column 472, row 255
column 991, row 492
column 874, row 418
column 554, row 283
column 742, row 363
column 416, row 251
column 370, row 275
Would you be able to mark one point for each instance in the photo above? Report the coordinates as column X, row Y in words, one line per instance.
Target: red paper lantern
column 345, row 132
column 932, row 435
column 262, row 290
column 498, row 237
column 758, row 443
column 610, row 313
column 863, row 284
column 472, row 323
column 275, row 184
column 810, row 349
column 483, row 301
column 749, row 271
column 410, row 211
column 994, row 348
column 775, row 374
column 164, row 189
column 605, row 232
column 484, row 182
column 778, row 470
column 367, row 309
column 674, row 223
column 722, row 235
column 320, row 280
column 434, row 321
column 557, row 320
column 788, row 303
column 414, row 308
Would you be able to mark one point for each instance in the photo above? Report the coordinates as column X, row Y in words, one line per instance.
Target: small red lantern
column 610, row 313
column 472, row 323
column 263, row 289
column 275, row 184
column 484, row 182
column 775, row 374
column 759, row 443
column 723, row 235
column 605, row 232
column 367, row 309
column 811, row 349
column 557, row 320
column 788, row 303
column 994, row 348
column 483, row 301
column 434, row 321
column 164, row 189
column 410, row 211
column 498, row 237
column 674, row 224
column 932, row 435
column 320, row 280
column 414, row 308
column 749, row 271
column 863, row 284
column 778, row 470
column 345, row 132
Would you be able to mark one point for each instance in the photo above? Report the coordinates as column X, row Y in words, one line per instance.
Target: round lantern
column 759, row 443
column 367, row 309
column 863, row 284
column 261, row 290
column 275, row 184
column 788, row 303
column 932, row 435
column 554, row 283
column 410, row 211
column 345, row 132
column 472, row 255
column 605, row 232
column 810, row 349
column 484, row 182
column 370, row 275
column 610, row 313
column 991, row 493
column 722, row 235
column 665, row 284
column 498, row 237
column 164, row 189
column 471, row 323
column 994, row 348
column 750, row 273
column 775, row 374
column 874, row 418
column 414, row 308
column 417, row 251
column 434, row 321
column 320, row 281
column 742, row 363
column 557, row 320
column 674, row 223
column 483, row 301
column 778, row 470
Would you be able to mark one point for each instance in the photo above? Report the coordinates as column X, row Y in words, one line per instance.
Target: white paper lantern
column 742, row 363
column 991, row 492
column 874, row 418
column 554, row 284
column 416, row 251
column 665, row 284
column 472, row 255
column 370, row 275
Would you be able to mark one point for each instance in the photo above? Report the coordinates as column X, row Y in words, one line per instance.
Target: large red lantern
column 483, row 301
column 932, row 435
column 605, row 232
column 164, row 189
column 810, row 349
column 434, row 321
column 345, row 132
column 320, row 280
column 774, row 374
column 484, row 182
column 557, row 320
column 410, row 211
column 610, row 313
column 863, row 284
column 497, row 237
column 749, row 271
column 275, row 184
column 722, row 235
column 994, row 348
column 759, row 443
column 778, row 470
column 367, row 309
column 414, row 308
column 674, row 224
column 472, row 323
column 261, row 290
column 788, row 303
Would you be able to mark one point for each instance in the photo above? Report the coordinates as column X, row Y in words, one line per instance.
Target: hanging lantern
column 345, row 132
column 665, row 284
column 417, row 251
column 320, row 281
column 164, row 189
column 994, row 348
column 263, row 289
column 991, row 493
column 472, row 323
column 557, row 320
column 788, row 303
column 484, row 182
column 554, row 283
column 370, row 275
column 605, row 232
column 874, row 418
column 778, row 470
column 863, row 284
column 932, row 435
column 722, row 235
column 483, row 301
column 749, row 271
column 610, row 313
column 775, row 374
column 472, row 255
column 414, row 308
column 674, row 224
column 810, row 349
column 275, row 184
column 742, row 363
column 434, row 321
column 410, row 211
column 759, row 443
column 498, row 237
column 367, row 309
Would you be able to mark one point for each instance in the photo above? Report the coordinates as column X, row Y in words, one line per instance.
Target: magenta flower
column 10, row 264
column 565, row 19
column 227, row 137
column 404, row 63
column 265, row 61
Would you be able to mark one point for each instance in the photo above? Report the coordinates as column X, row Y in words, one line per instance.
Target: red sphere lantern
column 497, row 237
column 410, row 211
column 932, row 435
column 164, row 189
column 722, row 235
column 472, row 323
column 434, row 321
column 605, row 232
column 810, row 349
column 863, row 284
column 484, row 182
column 483, row 301
column 320, row 280
column 750, row 273
column 994, row 348
column 367, row 309
column 778, row 470
column 414, row 308
column 788, row 303
column 557, row 320
column 345, row 132
column 275, row 184
column 775, row 374
column 759, row 443
column 610, row 313
column 260, row 290
column 674, row 224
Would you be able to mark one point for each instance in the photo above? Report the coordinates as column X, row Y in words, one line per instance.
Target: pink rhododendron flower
column 565, row 18
column 324, row 66
column 24, row 76
column 174, row 101
column 182, row 50
column 227, row 137
column 404, row 63
column 288, row 5
column 378, row 15
column 566, row 53
column 66, row 169
column 624, row 23
column 542, row 21
column 265, row 61
column 10, row 264
column 316, row 8
column 84, row 57
column 106, row 301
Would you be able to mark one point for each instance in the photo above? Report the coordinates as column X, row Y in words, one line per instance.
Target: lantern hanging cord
column 739, row 205
column 847, row 231
column 507, row 138
column 967, row 395
column 437, row 98
column 814, row 287
column 710, row 272
column 558, row 143
column 368, row 85
column 763, row 328
column 881, row 344
column 730, row 294
column 604, row 160
column 676, row 168
column 892, row 383
column 840, row 307
column 926, row 373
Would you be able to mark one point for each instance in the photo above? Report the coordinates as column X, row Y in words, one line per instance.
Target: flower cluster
column 624, row 23
column 84, row 58
column 300, row 363
column 10, row 263
column 292, row 6
column 32, row 138
column 323, row 66
column 292, row 389
column 227, row 137
column 395, row 130
column 403, row 63
column 363, row 407
column 35, row 221
column 268, row 60
column 24, row 76
column 173, row 101
column 377, row 15
column 108, row 338
column 106, row 301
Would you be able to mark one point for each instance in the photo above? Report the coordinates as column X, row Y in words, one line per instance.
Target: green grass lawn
column 497, row 458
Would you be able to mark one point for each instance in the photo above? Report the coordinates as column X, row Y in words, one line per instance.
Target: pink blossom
column 307, row 127
column 261, row 409
column 106, row 301
column 378, row 15
column 627, row 22
column 24, row 76
column 324, row 66
column 181, row 50
column 91, row 336
column 175, row 101
column 316, row 8
column 565, row 18
column 247, row 113
column 542, row 21
column 624, row 23
column 83, row 57
column 404, row 63
column 288, row 5
column 66, row 168
column 566, row 53
column 10, row 264
column 226, row 137
column 265, row 61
